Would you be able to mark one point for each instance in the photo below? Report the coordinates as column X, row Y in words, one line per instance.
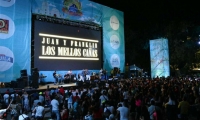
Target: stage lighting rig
column 81, row 24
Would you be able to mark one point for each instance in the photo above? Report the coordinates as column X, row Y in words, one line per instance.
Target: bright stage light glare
column 66, row 58
column 67, row 37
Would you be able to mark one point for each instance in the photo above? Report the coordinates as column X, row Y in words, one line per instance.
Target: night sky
column 145, row 20
column 144, row 12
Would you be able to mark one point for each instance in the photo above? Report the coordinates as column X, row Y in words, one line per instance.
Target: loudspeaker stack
column 23, row 78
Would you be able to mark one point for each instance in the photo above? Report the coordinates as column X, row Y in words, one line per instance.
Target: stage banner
column 159, row 56
column 113, row 39
column 15, row 29
column 111, row 20
column 76, row 10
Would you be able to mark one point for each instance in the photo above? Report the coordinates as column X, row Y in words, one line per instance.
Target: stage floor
column 42, row 87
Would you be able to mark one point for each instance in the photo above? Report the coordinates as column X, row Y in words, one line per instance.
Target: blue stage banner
column 113, row 39
column 111, row 20
column 159, row 54
column 15, row 35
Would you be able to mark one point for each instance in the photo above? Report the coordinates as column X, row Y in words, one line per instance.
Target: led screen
column 159, row 54
column 63, row 47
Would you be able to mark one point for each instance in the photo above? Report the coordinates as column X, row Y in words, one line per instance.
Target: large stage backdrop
column 159, row 55
column 59, row 47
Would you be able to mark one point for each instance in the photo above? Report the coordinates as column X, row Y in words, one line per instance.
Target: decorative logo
column 7, row 3
column 72, row 7
column 4, row 26
column 114, row 41
column 7, row 27
column 115, row 60
column 114, row 23
column 6, row 58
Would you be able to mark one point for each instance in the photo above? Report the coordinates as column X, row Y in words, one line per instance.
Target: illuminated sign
column 65, row 47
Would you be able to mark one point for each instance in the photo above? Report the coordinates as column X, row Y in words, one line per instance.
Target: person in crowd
column 35, row 102
column 97, row 112
column 151, row 109
column 70, row 101
column 62, row 91
column 24, row 116
column 108, row 110
column 138, row 104
column 6, row 97
column 123, row 111
column 14, row 95
column 184, row 108
column 76, row 109
column 47, row 96
column 39, row 111
column 55, row 107
column 88, row 116
column 15, row 110
column 64, row 113
column 25, row 97
column 3, row 111
column 103, row 98
column 41, row 98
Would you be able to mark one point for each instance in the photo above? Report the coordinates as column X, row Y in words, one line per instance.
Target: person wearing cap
column 41, row 97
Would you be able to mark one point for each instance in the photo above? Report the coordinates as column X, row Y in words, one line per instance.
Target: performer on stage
column 55, row 77
column 66, row 78
column 83, row 74
column 80, row 78
column 70, row 75
column 87, row 74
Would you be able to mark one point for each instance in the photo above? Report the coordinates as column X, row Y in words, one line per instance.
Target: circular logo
column 7, row 3
column 115, row 60
column 114, row 41
column 114, row 22
column 7, row 27
column 6, row 58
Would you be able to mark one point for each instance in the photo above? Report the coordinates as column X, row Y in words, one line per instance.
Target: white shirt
column 110, row 108
column 22, row 117
column 2, row 111
column 74, row 93
column 41, row 98
column 13, row 95
column 171, row 102
column 70, row 100
column 123, row 113
column 125, row 94
column 55, row 104
column 6, row 97
column 39, row 111
column 88, row 117
column 103, row 98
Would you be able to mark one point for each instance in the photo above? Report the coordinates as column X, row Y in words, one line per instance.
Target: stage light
column 67, row 58
column 66, row 37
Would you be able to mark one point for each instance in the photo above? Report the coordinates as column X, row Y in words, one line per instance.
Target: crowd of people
column 128, row 99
